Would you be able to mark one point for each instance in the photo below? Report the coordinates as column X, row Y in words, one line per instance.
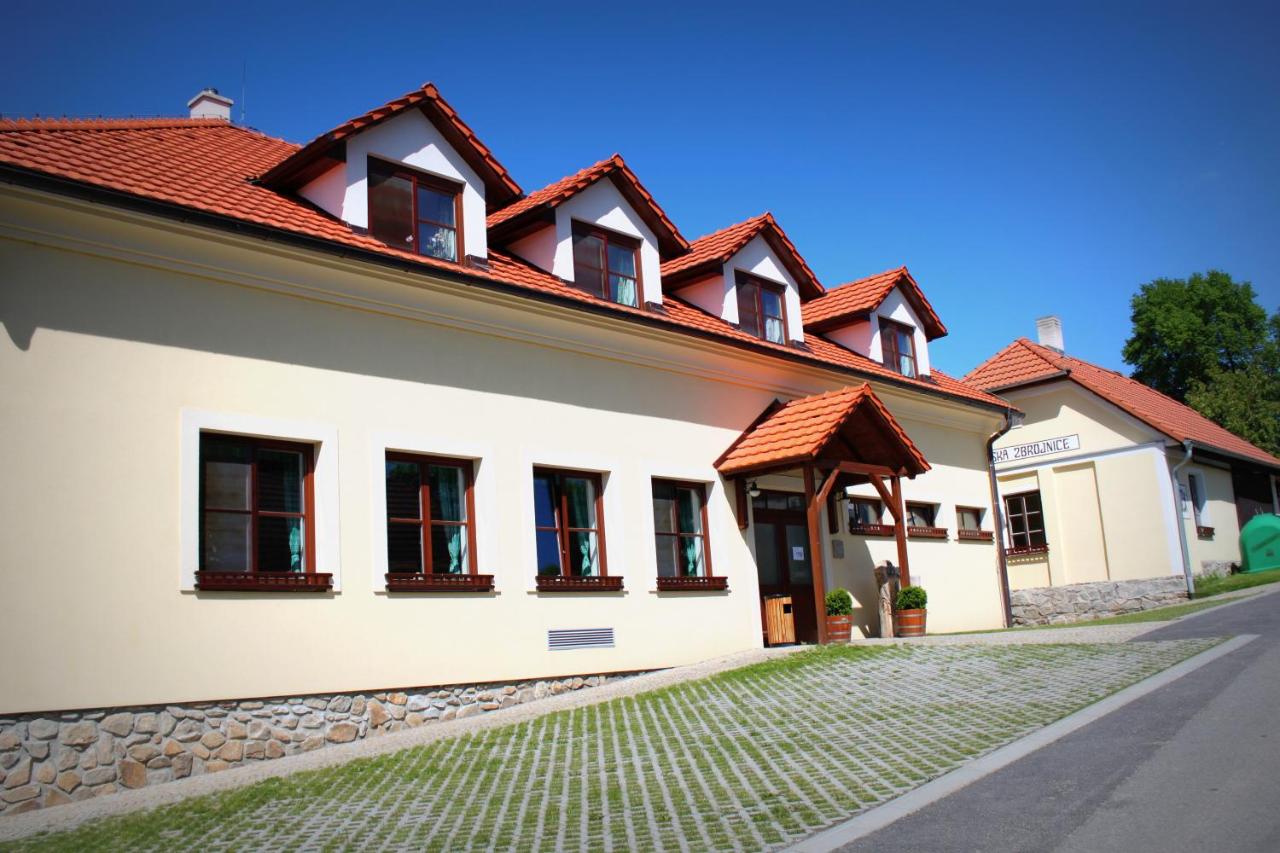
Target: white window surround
column 324, row 474
column 484, row 489
column 718, row 293
column 615, row 549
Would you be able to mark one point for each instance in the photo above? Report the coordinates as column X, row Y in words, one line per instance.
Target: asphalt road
column 1194, row 766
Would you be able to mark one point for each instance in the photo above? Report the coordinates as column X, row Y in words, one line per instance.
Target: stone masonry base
column 48, row 759
column 1051, row 605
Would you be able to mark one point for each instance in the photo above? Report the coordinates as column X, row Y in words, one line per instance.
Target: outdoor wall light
column 753, row 489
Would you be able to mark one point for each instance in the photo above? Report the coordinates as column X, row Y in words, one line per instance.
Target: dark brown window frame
column 587, row 229
column 253, row 580
column 877, row 529
column 432, row 182
column 428, row 580
column 744, row 280
column 602, row 582
column 1029, row 546
column 925, row 531
column 686, row 583
column 889, row 346
column 972, row 534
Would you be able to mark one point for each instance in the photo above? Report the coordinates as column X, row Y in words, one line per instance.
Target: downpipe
column 1187, row 446
column 1002, row 568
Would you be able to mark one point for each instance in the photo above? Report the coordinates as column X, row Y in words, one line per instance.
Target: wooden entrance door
column 784, row 565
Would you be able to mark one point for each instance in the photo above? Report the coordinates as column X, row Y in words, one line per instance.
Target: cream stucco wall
column 118, row 327
column 1219, row 513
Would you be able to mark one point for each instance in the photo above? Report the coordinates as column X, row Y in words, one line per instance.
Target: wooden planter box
column 927, row 532
column 712, row 584
column 571, row 583
column 263, row 582
column 1028, row 551
column 410, row 582
column 909, row 623
column 974, row 535
column 873, row 529
column 839, row 629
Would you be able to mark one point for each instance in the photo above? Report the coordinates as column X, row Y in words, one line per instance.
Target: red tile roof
column 510, row 219
column 1024, row 362
column 500, row 187
column 207, row 165
column 798, row 431
column 857, row 299
column 709, row 252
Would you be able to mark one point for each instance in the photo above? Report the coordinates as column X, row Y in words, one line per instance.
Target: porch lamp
column 753, row 489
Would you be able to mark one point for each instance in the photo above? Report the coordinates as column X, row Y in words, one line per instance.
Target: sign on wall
column 1049, row 446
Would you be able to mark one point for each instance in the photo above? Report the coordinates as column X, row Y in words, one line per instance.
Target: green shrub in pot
column 911, row 598
column 839, row 602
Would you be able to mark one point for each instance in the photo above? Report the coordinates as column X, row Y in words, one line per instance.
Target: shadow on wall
column 46, row 289
column 856, row 573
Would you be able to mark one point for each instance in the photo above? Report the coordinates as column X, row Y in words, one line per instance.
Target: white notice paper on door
column 797, row 552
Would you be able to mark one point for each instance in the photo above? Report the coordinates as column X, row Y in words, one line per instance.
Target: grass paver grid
column 746, row 760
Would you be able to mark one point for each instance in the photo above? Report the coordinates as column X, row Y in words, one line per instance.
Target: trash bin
column 1260, row 543
column 779, row 621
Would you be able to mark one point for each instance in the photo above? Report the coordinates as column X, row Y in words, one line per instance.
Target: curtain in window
column 581, row 498
column 448, row 504
column 773, row 329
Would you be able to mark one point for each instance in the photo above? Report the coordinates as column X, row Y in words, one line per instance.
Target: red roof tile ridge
column 108, row 123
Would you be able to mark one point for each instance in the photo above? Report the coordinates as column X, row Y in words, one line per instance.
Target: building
column 364, row 415
column 1088, row 480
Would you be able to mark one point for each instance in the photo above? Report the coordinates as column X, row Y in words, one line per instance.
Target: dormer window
column 415, row 211
column 605, row 264
column 761, row 308
column 898, row 345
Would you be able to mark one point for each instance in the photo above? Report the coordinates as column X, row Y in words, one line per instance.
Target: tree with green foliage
column 1206, row 341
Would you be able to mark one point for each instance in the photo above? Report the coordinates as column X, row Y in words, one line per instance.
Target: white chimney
column 209, row 104
column 1049, row 332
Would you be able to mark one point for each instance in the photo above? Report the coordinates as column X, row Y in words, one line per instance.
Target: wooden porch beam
column 814, row 512
column 887, row 498
column 865, row 469
column 740, row 493
column 901, row 533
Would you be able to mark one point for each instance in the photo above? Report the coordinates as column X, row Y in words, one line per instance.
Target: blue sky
column 1020, row 158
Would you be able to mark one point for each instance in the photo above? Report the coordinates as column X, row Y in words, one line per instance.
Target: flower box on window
column 418, row 582
column 263, row 581
column 1204, row 532
column 974, row 535
column 873, row 529
column 918, row 532
column 579, row 583
column 682, row 584
column 1026, row 550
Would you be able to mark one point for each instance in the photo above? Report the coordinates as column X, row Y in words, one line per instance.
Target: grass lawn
column 754, row 759
column 1227, row 583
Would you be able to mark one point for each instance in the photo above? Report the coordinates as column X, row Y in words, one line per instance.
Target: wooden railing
column 974, row 535
column 917, row 532
column 574, row 583
column 263, row 581
column 692, row 584
column 417, row 582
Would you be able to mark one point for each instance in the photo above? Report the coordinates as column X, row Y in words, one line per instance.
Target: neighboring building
column 1088, row 479
column 362, row 415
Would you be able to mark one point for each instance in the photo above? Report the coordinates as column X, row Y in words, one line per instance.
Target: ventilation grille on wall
column 579, row 638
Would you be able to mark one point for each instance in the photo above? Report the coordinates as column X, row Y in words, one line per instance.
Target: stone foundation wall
column 54, row 758
column 1051, row 605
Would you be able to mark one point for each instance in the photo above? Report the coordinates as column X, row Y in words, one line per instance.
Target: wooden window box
column 417, row 582
column 263, row 582
column 576, row 583
column 975, row 535
column 927, row 532
column 692, row 584
column 873, row 529
column 1026, row 550
column 1204, row 532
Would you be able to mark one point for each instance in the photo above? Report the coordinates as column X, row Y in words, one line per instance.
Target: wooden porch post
column 901, row 531
column 814, row 512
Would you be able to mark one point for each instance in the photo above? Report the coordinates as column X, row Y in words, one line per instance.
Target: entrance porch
column 824, row 444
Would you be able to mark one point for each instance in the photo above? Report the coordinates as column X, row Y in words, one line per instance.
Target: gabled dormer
column 410, row 173
column 598, row 229
column 748, row 274
column 885, row 317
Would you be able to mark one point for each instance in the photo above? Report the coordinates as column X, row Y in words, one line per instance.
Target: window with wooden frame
column 762, row 307
column 866, row 517
column 1026, row 524
column 568, row 510
column 680, row 534
column 969, row 524
column 606, row 264
column 415, row 211
column 431, row 534
column 257, row 522
column 922, row 521
column 898, row 346
column 1195, row 484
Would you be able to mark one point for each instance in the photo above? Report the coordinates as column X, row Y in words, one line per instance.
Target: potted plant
column 839, row 618
column 909, row 611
